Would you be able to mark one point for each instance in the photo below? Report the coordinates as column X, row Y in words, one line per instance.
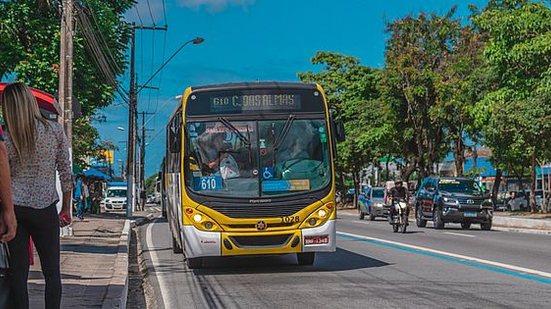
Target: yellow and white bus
column 249, row 170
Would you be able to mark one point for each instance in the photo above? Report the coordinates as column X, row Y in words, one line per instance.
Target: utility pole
column 130, row 147
column 132, row 120
column 65, row 90
column 142, row 160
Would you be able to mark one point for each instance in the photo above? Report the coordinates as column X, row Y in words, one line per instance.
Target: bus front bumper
column 200, row 243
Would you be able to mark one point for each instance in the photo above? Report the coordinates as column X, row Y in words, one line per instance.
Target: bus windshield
column 257, row 158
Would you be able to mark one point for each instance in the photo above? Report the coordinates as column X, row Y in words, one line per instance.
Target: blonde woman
column 36, row 149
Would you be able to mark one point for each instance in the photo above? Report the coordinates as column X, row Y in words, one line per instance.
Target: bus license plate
column 471, row 214
column 316, row 240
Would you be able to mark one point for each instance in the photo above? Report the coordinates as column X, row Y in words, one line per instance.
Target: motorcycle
column 398, row 217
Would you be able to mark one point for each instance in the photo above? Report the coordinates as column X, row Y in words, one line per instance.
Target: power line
column 160, row 109
column 161, row 74
column 139, row 16
column 164, row 12
column 104, row 41
column 150, row 13
column 97, row 53
column 153, row 47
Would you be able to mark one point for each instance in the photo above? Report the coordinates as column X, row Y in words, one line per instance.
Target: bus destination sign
column 255, row 102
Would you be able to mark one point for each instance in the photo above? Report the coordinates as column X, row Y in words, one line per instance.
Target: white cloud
column 216, row 5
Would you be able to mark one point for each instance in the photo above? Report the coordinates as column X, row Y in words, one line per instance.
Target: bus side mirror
column 339, row 131
column 175, row 135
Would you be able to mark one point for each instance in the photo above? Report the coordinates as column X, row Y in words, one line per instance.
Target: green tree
column 150, row 183
column 518, row 110
column 352, row 90
column 428, row 59
column 29, row 49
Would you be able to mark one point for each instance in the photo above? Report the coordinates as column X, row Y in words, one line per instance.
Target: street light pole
column 132, row 120
column 196, row 41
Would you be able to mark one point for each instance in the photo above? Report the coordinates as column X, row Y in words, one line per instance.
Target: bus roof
column 254, row 85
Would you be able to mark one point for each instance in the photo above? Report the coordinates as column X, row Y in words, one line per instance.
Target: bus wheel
column 175, row 246
column 306, row 258
column 194, row 263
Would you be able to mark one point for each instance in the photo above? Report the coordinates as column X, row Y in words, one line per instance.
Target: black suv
column 452, row 200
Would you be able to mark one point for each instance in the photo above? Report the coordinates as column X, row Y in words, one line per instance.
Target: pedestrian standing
column 79, row 197
column 86, row 193
column 36, row 149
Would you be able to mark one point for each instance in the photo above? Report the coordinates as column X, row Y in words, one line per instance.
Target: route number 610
column 208, row 183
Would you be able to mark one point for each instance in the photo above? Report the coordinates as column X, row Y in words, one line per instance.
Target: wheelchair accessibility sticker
column 267, row 172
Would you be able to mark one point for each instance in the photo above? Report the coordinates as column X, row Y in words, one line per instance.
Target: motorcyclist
column 398, row 192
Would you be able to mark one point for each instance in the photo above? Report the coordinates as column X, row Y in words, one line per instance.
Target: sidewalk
column 94, row 265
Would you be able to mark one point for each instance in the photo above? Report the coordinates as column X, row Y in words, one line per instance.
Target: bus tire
column 175, row 246
column 194, row 263
column 306, row 258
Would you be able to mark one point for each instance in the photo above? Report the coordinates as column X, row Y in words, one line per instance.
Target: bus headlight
column 319, row 216
column 197, row 218
column 200, row 220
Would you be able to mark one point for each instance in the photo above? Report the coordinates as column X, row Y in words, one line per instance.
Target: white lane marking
column 459, row 234
column 454, row 255
column 155, row 261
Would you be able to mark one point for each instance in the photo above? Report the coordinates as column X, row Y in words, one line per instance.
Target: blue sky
column 249, row 40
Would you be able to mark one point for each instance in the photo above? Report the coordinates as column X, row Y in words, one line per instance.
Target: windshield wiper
column 284, row 131
column 228, row 125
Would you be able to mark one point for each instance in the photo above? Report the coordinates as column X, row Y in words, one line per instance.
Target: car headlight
column 449, row 200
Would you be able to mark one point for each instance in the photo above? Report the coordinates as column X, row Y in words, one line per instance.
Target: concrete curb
column 149, row 290
column 519, row 230
column 118, row 286
column 521, row 223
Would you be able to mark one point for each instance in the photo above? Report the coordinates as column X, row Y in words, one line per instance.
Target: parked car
column 452, row 200
column 372, row 203
column 115, row 198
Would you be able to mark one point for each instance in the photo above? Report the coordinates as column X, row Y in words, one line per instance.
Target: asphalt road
column 372, row 268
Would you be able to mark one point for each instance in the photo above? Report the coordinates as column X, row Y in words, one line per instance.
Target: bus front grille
column 253, row 226
column 258, row 211
column 261, row 241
